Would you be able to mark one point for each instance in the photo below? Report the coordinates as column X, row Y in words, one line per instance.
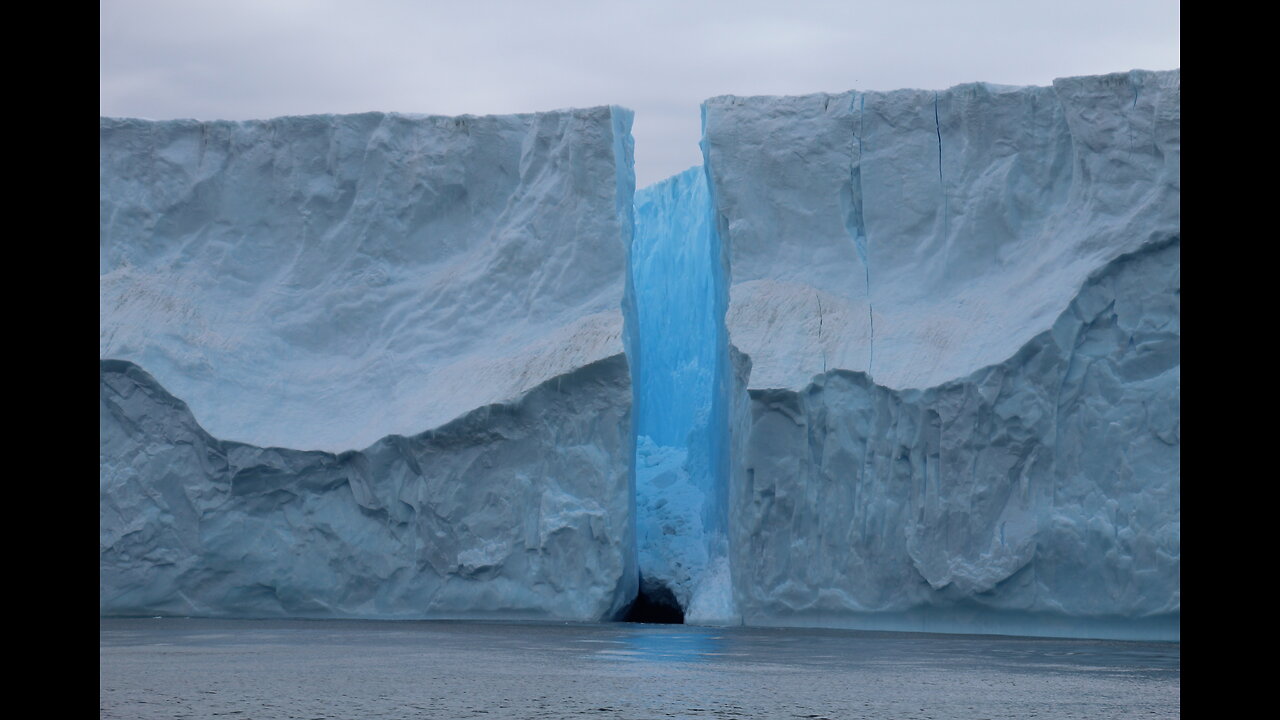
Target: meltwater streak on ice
column 675, row 265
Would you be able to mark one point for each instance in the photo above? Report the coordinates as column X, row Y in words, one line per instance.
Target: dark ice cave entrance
column 655, row 603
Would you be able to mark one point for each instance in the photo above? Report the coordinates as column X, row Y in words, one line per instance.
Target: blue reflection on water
column 661, row 645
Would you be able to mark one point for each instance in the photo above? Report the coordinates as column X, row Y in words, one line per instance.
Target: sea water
column 198, row 668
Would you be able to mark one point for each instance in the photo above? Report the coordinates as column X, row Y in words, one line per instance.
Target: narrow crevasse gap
column 678, row 419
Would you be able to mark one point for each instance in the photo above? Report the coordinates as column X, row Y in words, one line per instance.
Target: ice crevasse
column 899, row 360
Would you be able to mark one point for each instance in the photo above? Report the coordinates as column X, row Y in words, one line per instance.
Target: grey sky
column 240, row 59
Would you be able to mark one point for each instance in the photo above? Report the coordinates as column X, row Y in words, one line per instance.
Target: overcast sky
column 241, row 59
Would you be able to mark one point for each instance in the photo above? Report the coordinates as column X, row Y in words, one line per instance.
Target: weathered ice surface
column 918, row 236
column 518, row 510
column 446, row 293
column 960, row 311
column 1045, row 488
column 322, row 282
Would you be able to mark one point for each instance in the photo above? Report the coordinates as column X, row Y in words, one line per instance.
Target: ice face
column 440, row 299
column 681, row 478
column 960, row 311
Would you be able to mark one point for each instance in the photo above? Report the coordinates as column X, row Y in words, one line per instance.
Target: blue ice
column 679, row 420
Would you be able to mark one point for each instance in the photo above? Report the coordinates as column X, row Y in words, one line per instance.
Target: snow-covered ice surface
column 960, row 310
column 437, row 300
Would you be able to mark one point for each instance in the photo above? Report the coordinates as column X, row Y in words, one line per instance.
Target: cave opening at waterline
column 655, row 603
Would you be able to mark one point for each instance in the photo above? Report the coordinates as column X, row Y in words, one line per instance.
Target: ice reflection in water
column 689, row 645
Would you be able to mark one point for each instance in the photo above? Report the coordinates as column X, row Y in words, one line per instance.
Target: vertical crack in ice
column 821, row 347
column 942, row 183
column 1133, row 83
column 856, row 226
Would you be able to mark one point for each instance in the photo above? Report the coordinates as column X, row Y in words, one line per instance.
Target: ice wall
column 681, row 479
column 322, row 282
column 960, row 311
column 438, row 301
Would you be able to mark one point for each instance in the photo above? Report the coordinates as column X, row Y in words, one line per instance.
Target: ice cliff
column 427, row 311
column 960, row 310
column 896, row 360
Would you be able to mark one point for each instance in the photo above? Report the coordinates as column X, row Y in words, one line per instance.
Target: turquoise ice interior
column 680, row 371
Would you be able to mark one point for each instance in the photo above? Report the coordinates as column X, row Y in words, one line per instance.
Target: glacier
column 900, row 360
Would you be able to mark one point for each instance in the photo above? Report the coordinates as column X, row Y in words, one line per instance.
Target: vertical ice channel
column 681, row 477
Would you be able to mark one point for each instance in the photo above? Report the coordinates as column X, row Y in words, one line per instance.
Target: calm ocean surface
column 187, row 668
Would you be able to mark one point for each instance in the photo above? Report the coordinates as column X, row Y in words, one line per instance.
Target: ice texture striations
column 428, row 310
column 960, row 310
column 322, row 282
column 681, row 460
